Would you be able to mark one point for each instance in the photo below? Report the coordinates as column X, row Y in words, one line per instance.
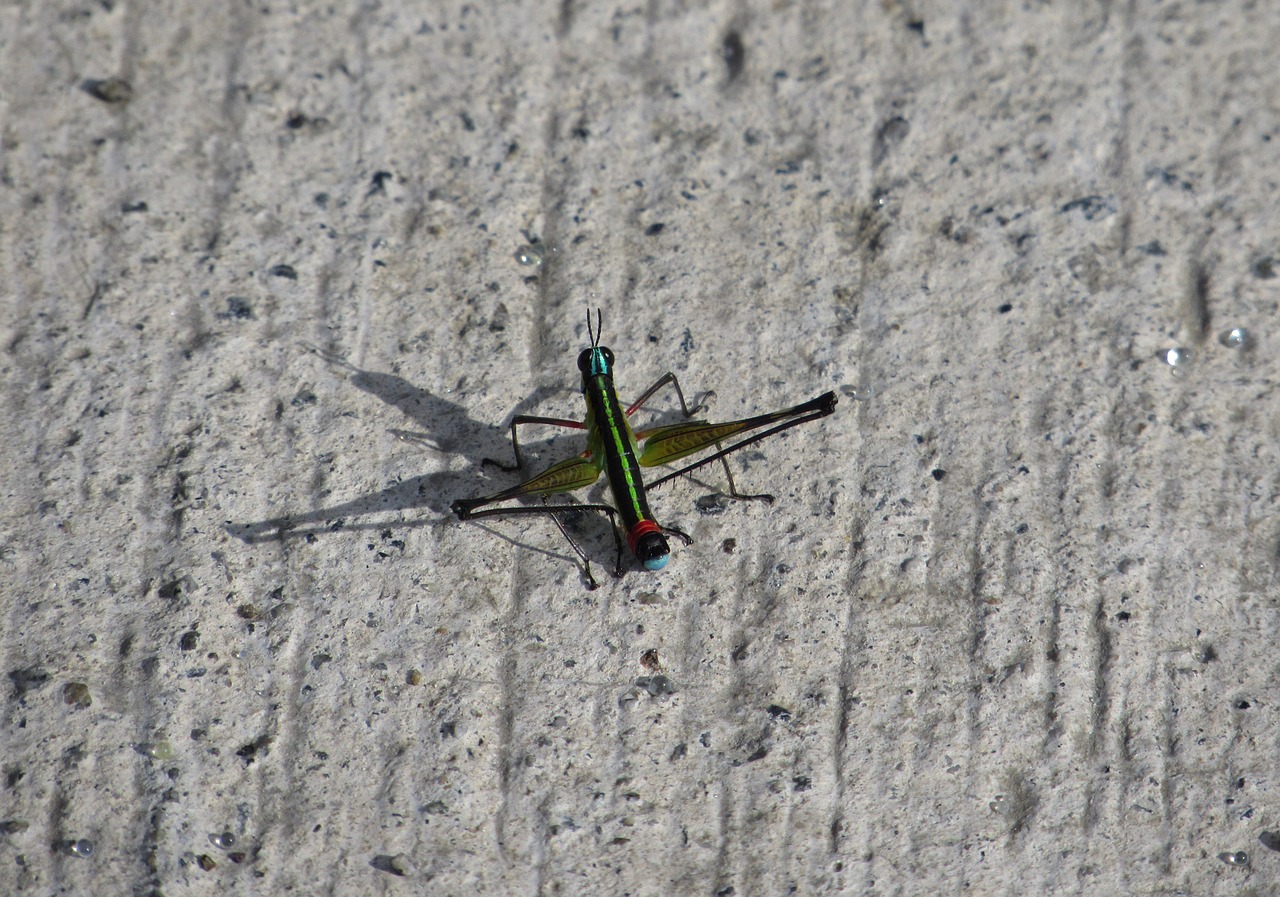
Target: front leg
column 662, row 381
column 515, row 440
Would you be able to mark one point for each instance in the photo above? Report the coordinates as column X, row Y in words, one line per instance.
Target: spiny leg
column 765, row 497
column 670, row 377
column 515, row 441
column 672, row 531
column 617, row 539
column 667, row 444
column 467, row 509
column 592, row 585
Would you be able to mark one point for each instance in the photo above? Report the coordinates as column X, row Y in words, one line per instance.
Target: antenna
column 595, row 337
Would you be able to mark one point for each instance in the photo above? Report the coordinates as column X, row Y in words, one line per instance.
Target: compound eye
column 608, row 356
column 584, row 361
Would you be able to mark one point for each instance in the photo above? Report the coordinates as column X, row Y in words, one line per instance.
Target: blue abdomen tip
column 656, row 563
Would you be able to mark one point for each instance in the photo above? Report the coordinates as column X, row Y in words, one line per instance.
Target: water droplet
column 223, row 840
column 1000, row 804
column 530, row 254
column 860, row 393
column 82, row 848
column 1234, row 858
column 1177, row 357
column 1235, row 338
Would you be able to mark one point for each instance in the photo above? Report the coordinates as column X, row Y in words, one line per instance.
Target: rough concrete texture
column 1009, row 627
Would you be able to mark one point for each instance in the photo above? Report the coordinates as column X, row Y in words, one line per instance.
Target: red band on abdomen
column 643, row 528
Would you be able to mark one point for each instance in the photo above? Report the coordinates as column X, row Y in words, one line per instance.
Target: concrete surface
column 1009, row 627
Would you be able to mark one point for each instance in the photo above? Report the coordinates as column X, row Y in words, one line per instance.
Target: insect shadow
column 438, row 424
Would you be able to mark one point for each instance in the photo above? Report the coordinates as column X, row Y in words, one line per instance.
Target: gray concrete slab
column 1009, row 627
